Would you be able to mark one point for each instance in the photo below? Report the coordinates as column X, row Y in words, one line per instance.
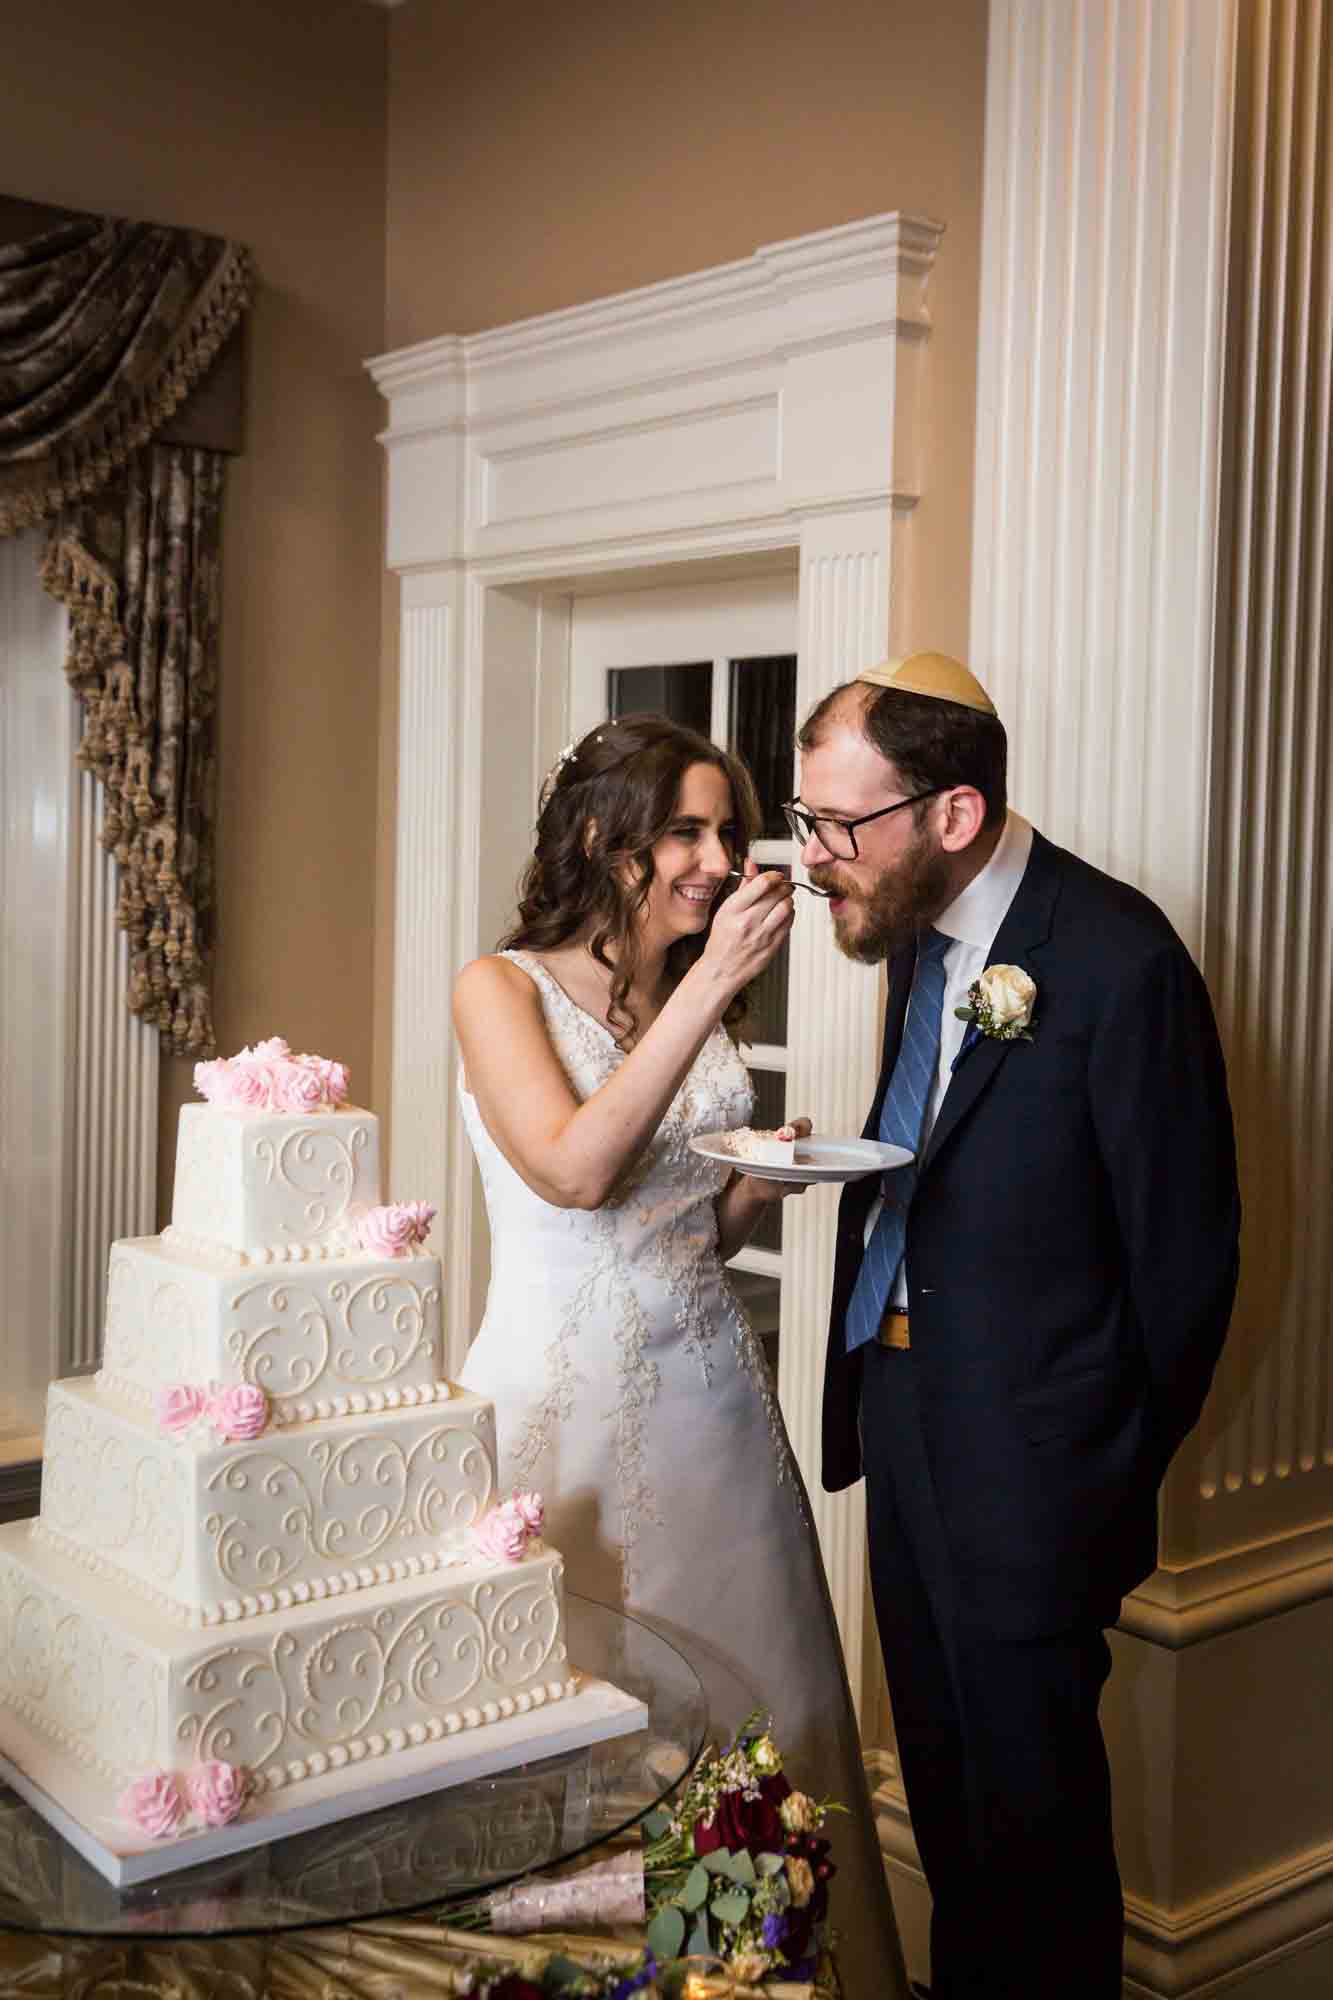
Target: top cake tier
column 273, row 1186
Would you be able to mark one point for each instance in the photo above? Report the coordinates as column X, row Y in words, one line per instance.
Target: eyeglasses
column 838, row 836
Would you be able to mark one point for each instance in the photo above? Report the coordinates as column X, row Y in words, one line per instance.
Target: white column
column 833, row 1048
column 78, row 1071
column 110, row 1175
column 1151, row 611
column 428, row 1162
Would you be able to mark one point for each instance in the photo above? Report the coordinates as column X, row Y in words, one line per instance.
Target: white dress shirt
column 971, row 920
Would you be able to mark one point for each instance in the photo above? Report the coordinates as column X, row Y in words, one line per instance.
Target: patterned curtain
column 105, row 328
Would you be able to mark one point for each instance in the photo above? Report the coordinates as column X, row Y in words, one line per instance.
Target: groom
column 1025, row 1320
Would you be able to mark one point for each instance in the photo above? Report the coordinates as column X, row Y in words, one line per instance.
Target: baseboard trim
column 1197, row 1951
column 1180, row 1606
column 1209, row 1945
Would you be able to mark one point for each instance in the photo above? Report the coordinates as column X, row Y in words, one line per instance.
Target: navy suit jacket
column 1072, row 1253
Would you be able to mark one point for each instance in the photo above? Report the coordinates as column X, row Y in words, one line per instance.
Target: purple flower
column 625, row 1988
column 775, row 1930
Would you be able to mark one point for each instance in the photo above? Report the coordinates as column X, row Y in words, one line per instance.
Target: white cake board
column 87, row 1816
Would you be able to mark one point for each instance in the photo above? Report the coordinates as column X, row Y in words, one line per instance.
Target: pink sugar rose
column 502, row 1533
column 531, row 1510
column 217, row 1791
column 177, row 1407
column 153, row 1804
column 238, row 1413
column 423, row 1213
column 247, row 1087
column 395, row 1229
column 275, row 1049
column 298, row 1089
column 332, row 1077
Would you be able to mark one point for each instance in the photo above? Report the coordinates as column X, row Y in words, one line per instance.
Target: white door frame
column 759, row 414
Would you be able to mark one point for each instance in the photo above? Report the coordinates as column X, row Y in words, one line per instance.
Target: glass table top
column 430, row 1852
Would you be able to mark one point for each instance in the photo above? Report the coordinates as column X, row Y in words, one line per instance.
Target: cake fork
column 809, row 887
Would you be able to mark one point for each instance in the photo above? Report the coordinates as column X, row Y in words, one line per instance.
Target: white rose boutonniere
column 1000, row 1004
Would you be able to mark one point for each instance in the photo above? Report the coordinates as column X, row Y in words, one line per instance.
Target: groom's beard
column 875, row 923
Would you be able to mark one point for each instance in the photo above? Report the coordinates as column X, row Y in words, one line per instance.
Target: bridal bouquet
column 739, row 1870
column 735, row 1878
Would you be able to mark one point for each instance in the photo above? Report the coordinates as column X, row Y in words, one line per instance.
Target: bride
column 627, row 1383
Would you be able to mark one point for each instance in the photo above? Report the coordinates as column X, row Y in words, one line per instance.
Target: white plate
column 816, row 1159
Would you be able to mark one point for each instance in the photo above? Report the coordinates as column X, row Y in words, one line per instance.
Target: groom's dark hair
column 929, row 742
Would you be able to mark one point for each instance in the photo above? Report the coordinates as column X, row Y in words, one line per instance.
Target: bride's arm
column 573, row 1154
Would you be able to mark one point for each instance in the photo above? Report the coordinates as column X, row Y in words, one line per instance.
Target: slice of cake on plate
column 764, row 1149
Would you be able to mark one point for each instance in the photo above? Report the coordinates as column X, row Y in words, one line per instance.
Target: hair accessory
column 552, row 778
column 934, row 675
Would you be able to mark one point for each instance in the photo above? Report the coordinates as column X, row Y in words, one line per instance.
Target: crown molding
column 858, row 278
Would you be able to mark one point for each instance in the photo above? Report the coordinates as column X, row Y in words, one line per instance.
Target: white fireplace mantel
column 767, row 412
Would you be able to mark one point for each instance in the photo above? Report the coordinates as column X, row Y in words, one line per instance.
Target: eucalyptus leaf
column 770, row 1864
column 700, row 1942
column 666, row 1933
column 718, row 1862
column 656, row 1823
column 731, row 1907
column 695, row 1893
column 742, row 1869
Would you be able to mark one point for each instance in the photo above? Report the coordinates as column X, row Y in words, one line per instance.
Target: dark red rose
column 741, row 1822
column 515, row 1987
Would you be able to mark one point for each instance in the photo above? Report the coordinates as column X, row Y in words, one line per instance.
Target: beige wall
column 544, row 155
column 267, row 124
column 508, row 160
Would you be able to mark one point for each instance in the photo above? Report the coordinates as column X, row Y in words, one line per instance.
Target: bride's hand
column 749, row 927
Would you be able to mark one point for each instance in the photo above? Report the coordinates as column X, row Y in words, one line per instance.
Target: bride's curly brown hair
column 606, row 804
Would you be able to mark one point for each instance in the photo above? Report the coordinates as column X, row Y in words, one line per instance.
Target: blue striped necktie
column 900, row 1122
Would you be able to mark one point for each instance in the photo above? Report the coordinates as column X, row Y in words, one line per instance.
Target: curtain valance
column 105, row 328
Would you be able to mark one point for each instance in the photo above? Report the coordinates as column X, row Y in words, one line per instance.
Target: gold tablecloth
column 381, row 1961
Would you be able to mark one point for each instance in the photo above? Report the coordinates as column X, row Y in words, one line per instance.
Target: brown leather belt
column 893, row 1330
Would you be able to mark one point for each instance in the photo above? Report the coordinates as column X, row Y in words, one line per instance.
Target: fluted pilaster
column 78, row 1071
column 1098, row 422
column 1268, row 1466
column 833, row 1048
column 113, row 1090
column 424, row 1132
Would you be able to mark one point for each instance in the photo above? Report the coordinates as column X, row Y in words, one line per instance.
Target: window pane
column 685, row 693
column 770, row 1089
column 763, row 730
column 766, row 1002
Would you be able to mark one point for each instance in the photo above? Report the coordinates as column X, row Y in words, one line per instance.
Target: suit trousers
column 998, row 1739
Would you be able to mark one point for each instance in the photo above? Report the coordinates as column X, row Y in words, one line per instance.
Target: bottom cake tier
column 283, row 1698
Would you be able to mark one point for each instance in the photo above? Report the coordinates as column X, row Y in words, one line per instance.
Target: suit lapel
column 1026, row 927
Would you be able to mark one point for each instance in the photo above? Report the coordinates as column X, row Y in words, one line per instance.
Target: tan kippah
column 933, row 674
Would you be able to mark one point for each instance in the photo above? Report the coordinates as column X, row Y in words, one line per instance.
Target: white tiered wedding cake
column 270, row 1558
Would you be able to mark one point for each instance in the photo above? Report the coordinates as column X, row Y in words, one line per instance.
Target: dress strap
column 546, row 983
column 536, row 972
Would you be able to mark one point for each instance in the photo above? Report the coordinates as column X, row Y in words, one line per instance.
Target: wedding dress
column 630, row 1389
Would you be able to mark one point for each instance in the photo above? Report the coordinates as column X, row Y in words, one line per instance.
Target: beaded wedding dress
column 629, row 1385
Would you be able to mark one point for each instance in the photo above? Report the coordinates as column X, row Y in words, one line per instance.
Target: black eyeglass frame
column 803, row 824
